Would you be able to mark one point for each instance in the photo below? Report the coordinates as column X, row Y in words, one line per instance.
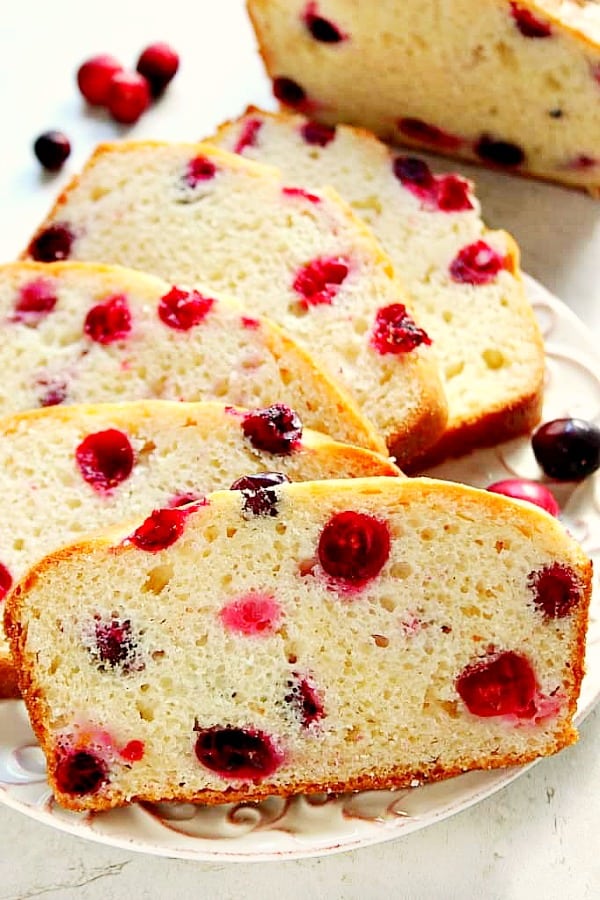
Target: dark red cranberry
column 182, row 310
column 52, row 149
column 105, row 459
column 161, row 529
column 421, row 131
column 321, row 29
column 158, row 64
column 452, row 193
column 532, row 491
column 476, row 263
column 556, row 590
column 5, row 581
column 500, row 685
column 300, row 192
column 317, row 133
column 94, row 77
column 528, row 24
column 258, row 492
column 288, row 91
column 80, row 772
column 133, row 751
column 237, row 752
column 582, row 162
column 318, row 281
column 412, row 170
column 303, row 697
column 248, row 135
column 275, row 429
column 36, row 299
column 449, row 193
column 396, row 332
column 198, row 170
column 354, row 546
column 109, row 321
column 55, row 393
column 128, row 97
column 500, row 153
column 52, row 244
column 567, row 449
column 114, row 644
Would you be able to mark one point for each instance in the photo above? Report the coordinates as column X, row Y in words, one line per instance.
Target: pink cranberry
column 94, row 77
column 556, row 590
column 354, row 546
column 303, row 697
column 105, row 459
column 80, row 772
column 476, row 263
column 288, row 91
column 52, row 244
column 52, row 148
column 128, row 97
column 275, row 429
column 182, row 310
column 158, row 64
column 114, row 644
column 449, row 193
column 133, row 751
column 300, row 192
column 502, row 684
column 252, row 615
column 452, row 193
column 396, row 332
column 161, row 529
column 258, row 492
column 421, row 131
column 499, row 153
column 527, row 490
column 528, row 24
column 5, row 581
column 321, row 29
column 317, row 282
column 237, row 752
column 108, row 322
column 36, row 300
column 198, row 170
column 317, row 133
column 248, row 135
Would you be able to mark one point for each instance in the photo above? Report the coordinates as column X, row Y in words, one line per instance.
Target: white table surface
column 538, row 838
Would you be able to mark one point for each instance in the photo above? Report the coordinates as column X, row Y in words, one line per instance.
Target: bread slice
column 372, row 633
column 191, row 212
column 147, row 338
column 69, row 470
column 511, row 84
column 486, row 337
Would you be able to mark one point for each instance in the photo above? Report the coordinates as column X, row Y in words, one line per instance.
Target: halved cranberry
column 109, row 321
column 318, row 281
column 133, row 751
column 275, row 429
column 288, row 91
column 114, row 643
column 199, row 169
column 476, row 263
column 556, row 590
column 354, row 546
column 499, row 153
column 94, row 77
column 105, row 459
column 418, row 130
column 258, row 492
column 300, row 192
column 396, row 332
column 80, row 772
column 452, row 193
column 237, row 752
column 36, row 299
column 161, row 529
column 528, row 24
column 158, row 63
column 500, row 685
column 52, row 244
column 128, row 97
column 317, row 133
column 5, row 581
column 304, row 698
column 321, row 29
column 182, row 310
column 532, row 491
column 254, row 614
column 248, row 135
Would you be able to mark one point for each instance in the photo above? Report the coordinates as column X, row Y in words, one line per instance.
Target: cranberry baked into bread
column 463, row 279
column 513, row 84
column 69, row 470
column 191, row 212
column 363, row 634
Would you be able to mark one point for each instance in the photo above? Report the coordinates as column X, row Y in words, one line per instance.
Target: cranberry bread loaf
column 513, row 84
column 368, row 634
column 191, row 212
column 88, row 333
column 73, row 469
column 464, row 280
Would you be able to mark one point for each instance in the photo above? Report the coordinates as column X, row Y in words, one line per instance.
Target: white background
column 540, row 837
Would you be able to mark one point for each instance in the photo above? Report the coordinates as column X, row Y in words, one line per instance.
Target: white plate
column 279, row 829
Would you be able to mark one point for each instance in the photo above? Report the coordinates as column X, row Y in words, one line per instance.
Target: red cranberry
column 317, row 133
column 527, row 490
column 5, row 581
column 396, row 332
column 52, row 148
column 300, row 192
column 258, row 492
column 128, row 97
column 418, row 130
column 275, row 429
column 317, row 282
column 80, row 772
column 449, row 193
column 133, row 751
column 476, row 263
column 114, row 644
column 452, row 193
column 182, row 310
column 199, row 169
column 288, row 91
column 528, row 24
column 321, row 29
column 237, row 752
column 556, row 590
column 501, row 685
column 52, row 244
column 250, row 322
column 108, row 322
column 567, row 449
column 499, row 153
column 105, row 459
column 354, row 546
column 158, row 64
column 161, row 529
column 94, row 77
column 248, row 135
column 304, row 698
column 36, row 299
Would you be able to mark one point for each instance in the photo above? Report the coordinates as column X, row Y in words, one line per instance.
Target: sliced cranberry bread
column 515, row 85
column 368, row 634
column 69, row 470
column 88, row 333
column 464, row 280
column 191, row 212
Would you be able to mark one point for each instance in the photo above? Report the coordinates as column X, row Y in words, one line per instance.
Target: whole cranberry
column 52, row 148
column 567, row 449
column 128, row 97
column 521, row 489
column 158, row 63
column 94, row 77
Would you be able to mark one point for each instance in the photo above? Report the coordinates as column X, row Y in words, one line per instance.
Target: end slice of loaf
column 373, row 633
column 192, row 212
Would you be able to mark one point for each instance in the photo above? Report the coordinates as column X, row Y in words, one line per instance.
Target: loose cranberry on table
column 94, row 77
column 158, row 64
column 52, row 148
column 567, row 449
column 128, row 97
column 521, row 489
